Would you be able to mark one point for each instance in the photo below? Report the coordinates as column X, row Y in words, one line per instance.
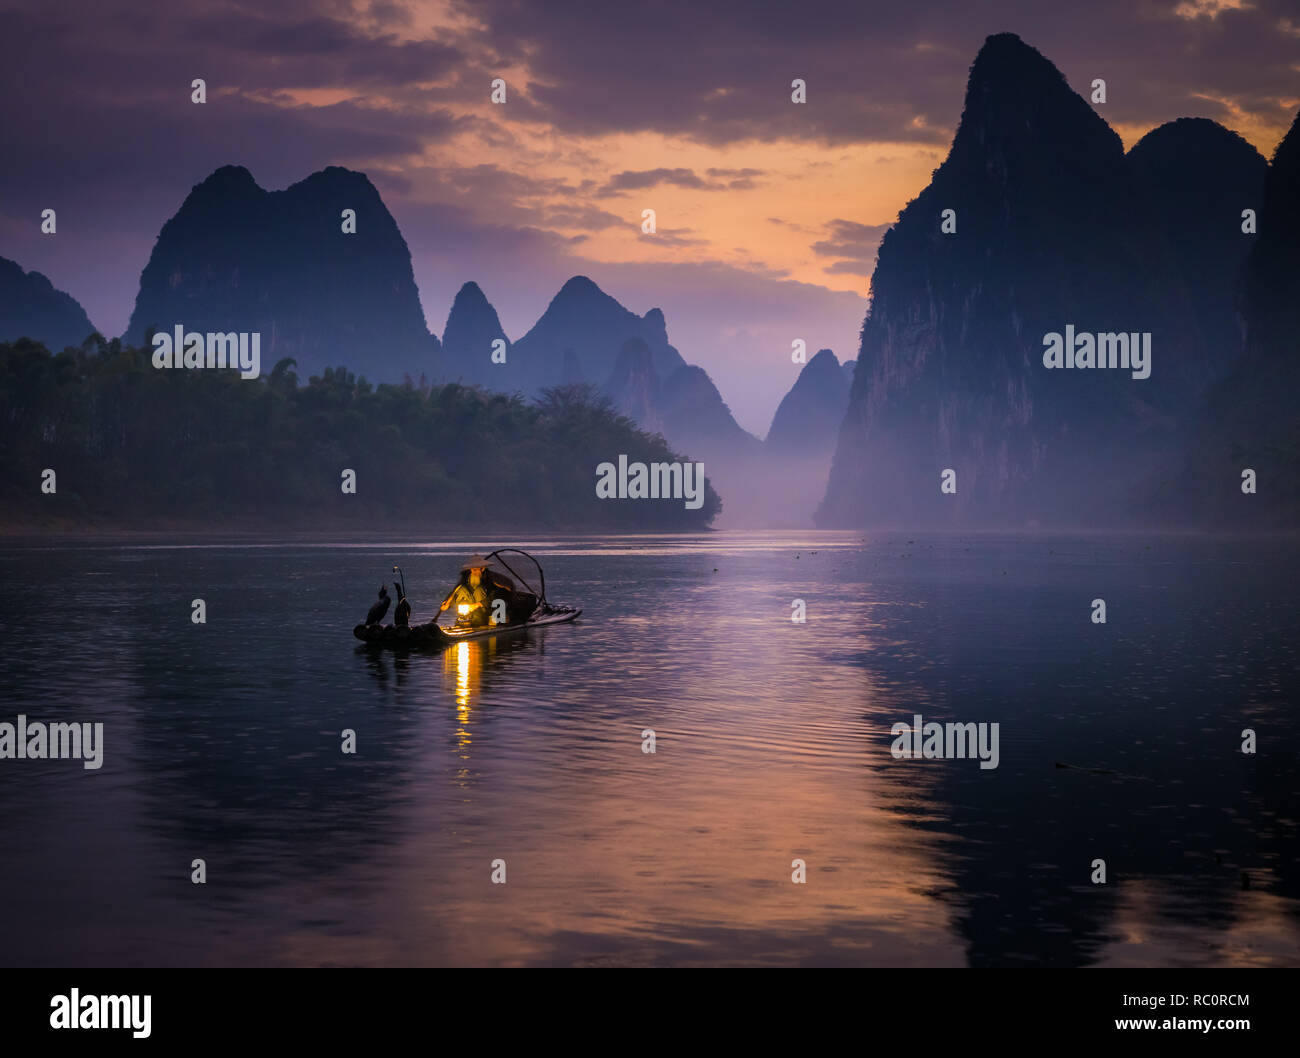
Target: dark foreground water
column 222, row 742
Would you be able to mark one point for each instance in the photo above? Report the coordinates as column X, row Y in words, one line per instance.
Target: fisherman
column 470, row 595
column 480, row 586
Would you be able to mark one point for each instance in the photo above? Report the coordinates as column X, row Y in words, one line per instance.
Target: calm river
column 222, row 742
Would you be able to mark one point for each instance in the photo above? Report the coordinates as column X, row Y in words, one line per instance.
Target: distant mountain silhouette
column 807, row 421
column 697, row 419
column 577, row 339
column 239, row 258
column 30, row 307
column 467, row 341
column 689, row 412
column 1251, row 420
column 847, row 367
column 781, row 488
column 634, row 385
column 1194, row 178
column 686, row 407
column 589, row 337
column 1054, row 227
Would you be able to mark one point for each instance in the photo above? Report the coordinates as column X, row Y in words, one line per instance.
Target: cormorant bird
column 402, row 615
column 377, row 611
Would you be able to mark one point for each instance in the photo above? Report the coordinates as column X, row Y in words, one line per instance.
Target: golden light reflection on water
column 462, row 677
column 458, row 669
column 688, row 853
column 462, row 670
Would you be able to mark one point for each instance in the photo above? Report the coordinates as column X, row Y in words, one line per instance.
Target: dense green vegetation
column 138, row 447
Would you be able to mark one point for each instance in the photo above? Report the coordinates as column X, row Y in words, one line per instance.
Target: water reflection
column 773, row 743
column 462, row 669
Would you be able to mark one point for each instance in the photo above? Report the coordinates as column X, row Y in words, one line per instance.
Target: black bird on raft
column 376, row 612
column 402, row 615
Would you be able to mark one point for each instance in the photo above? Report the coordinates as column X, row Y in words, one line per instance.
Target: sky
column 768, row 212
